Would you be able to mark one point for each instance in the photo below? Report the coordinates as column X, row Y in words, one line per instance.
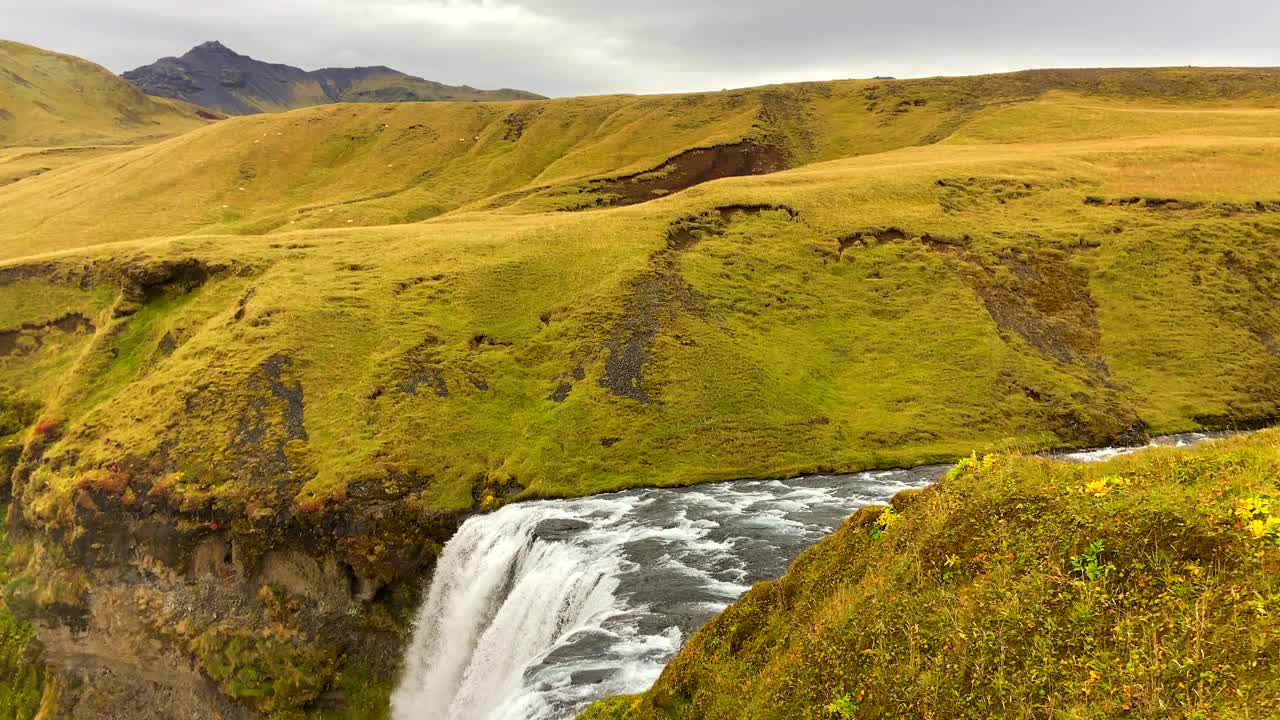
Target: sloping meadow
column 248, row 443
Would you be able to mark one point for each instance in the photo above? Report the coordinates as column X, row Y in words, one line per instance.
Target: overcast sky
column 573, row 47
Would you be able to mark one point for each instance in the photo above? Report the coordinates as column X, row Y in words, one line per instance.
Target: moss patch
column 22, row 671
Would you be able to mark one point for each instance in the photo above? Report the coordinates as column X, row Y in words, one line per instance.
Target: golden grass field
column 51, row 99
column 283, row 318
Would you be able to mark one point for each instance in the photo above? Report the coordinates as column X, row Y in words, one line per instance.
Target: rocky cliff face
column 180, row 625
column 145, row 610
column 150, row 604
column 217, row 77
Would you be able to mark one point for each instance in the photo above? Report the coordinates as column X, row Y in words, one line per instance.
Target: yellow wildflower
column 1249, row 508
column 1097, row 487
column 1258, row 528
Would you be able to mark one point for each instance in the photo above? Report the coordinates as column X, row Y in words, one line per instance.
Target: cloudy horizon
column 576, row 47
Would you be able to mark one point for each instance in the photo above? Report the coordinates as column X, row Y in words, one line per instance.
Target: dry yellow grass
column 51, row 99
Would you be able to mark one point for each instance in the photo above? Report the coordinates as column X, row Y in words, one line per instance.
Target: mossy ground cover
column 312, row 362
column 22, row 673
column 779, row 341
column 1145, row 587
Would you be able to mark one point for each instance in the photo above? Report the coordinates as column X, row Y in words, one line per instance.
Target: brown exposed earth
column 659, row 295
column 689, row 168
column 29, row 337
column 1037, row 295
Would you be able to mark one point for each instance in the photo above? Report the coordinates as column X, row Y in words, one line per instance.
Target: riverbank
column 1144, row 586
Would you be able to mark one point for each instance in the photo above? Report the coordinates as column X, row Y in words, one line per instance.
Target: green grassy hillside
column 338, row 166
column 1017, row 588
column 50, row 99
column 333, row 331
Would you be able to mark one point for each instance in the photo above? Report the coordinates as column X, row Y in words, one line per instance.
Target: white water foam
column 1104, row 454
column 540, row 608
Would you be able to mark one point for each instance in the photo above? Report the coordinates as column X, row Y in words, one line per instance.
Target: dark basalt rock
column 558, row 529
column 216, row 77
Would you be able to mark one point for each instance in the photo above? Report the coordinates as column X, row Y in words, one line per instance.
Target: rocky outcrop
column 142, row 608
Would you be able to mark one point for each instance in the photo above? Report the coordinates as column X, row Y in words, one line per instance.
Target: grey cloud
column 566, row 47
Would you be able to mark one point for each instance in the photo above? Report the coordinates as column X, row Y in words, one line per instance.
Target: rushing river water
column 540, row 608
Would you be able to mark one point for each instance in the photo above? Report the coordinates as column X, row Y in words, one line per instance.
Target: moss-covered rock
column 22, row 671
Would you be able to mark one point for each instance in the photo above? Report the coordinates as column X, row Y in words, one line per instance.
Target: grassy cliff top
column 51, row 99
column 1018, row 587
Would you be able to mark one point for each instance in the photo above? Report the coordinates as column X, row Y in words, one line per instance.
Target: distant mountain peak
column 217, row 77
column 213, row 46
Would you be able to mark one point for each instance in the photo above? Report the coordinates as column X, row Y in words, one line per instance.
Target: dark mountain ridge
column 217, row 77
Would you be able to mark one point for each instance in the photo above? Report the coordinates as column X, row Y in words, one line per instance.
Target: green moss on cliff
column 22, row 673
column 275, row 672
column 1148, row 587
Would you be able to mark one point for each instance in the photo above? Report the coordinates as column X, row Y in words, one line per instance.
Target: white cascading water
column 540, row 608
column 500, row 598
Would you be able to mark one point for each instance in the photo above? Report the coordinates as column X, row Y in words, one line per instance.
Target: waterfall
column 540, row 608
column 501, row 597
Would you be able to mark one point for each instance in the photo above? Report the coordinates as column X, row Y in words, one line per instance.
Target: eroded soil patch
column 1175, row 204
column 1046, row 301
column 272, row 417
column 422, row 368
column 1038, row 295
column 978, row 193
column 34, row 172
column 29, row 337
column 689, row 168
column 657, row 298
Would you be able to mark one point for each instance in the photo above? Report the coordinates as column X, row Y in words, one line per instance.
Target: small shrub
column 1255, row 514
column 844, row 707
column 45, row 427
column 884, row 523
column 1089, row 564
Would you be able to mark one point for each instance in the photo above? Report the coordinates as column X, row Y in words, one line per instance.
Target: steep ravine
column 542, row 607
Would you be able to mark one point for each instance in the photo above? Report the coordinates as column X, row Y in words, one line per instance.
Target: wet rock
column 559, row 529
column 592, row 677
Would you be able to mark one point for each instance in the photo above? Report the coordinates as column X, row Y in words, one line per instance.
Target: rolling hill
column 214, row 76
column 384, row 164
column 51, row 99
column 257, row 373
